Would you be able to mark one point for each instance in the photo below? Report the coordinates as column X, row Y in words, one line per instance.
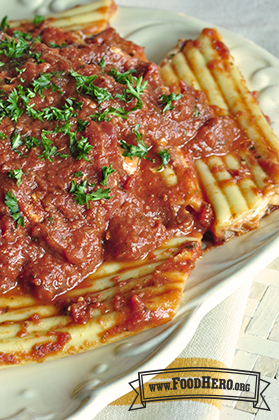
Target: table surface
column 258, row 345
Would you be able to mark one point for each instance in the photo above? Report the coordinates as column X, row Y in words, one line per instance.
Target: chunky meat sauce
column 88, row 133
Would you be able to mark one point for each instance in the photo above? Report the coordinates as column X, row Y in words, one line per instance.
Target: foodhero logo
column 207, row 382
column 200, row 382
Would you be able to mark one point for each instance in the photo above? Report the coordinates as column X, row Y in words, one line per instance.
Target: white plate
column 79, row 386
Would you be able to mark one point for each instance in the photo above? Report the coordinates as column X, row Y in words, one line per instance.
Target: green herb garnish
column 106, row 171
column 49, row 149
column 12, row 108
column 31, row 142
column 42, row 83
column 16, row 141
column 111, row 111
column 165, row 157
column 121, row 77
column 168, row 100
column 12, row 48
column 196, row 112
column 24, row 35
column 83, row 197
column 77, row 174
column 12, row 204
column 4, row 24
column 54, row 45
column 16, row 174
column 103, row 64
column 140, row 150
column 81, row 125
column 79, row 148
column 85, row 84
column 38, row 19
column 37, row 56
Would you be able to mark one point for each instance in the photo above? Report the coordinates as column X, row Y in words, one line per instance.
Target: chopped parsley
column 81, row 125
column 37, row 56
column 64, row 113
column 12, row 204
column 135, row 88
column 106, row 171
column 24, row 35
column 81, row 80
column 12, row 108
column 31, row 142
column 168, row 100
column 121, row 77
column 42, row 83
column 103, row 64
column 4, row 24
column 20, row 71
column 79, row 148
column 83, row 197
column 165, row 157
column 196, row 112
column 38, row 19
column 12, row 48
column 3, row 136
column 54, row 45
column 49, row 149
column 16, row 141
column 111, row 111
column 85, row 84
column 16, row 174
column 77, row 174
column 140, row 150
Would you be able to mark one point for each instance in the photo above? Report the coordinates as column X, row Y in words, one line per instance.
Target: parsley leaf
column 12, row 204
column 82, row 197
column 77, row 174
column 165, row 157
column 14, row 111
column 31, row 142
column 20, row 71
column 16, row 174
column 82, row 82
column 13, row 49
column 38, row 19
column 136, row 90
column 24, row 35
column 79, row 148
column 64, row 113
column 54, row 45
column 4, row 24
column 103, row 64
column 37, row 56
column 16, row 141
column 104, row 116
column 3, row 136
column 140, row 150
column 120, row 77
column 85, row 83
column 48, row 146
column 106, row 171
column 41, row 83
column 168, row 100
column 81, row 125
column 196, row 112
